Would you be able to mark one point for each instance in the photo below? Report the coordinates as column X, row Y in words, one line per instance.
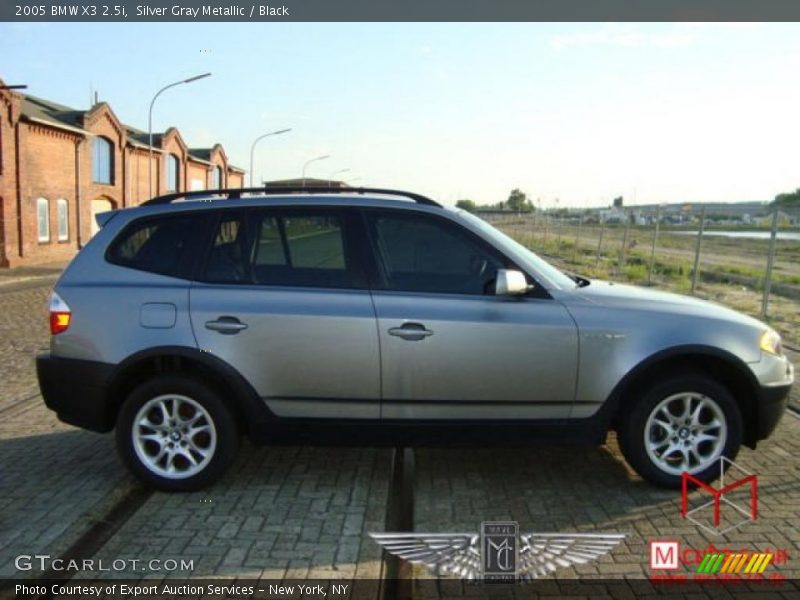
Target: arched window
column 216, row 179
column 43, row 219
column 103, row 161
column 63, row 219
column 173, row 172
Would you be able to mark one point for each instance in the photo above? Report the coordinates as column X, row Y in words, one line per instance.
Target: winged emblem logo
column 498, row 552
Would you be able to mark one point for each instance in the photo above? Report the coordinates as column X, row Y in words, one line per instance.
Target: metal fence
column 650, row 248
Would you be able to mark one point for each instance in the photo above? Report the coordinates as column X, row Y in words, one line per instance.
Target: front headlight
column 771, row 342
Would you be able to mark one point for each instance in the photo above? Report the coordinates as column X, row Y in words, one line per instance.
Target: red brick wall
column 137, row 172
column 9, row 115
column 199, row 171
column 46, row 170
column 102, row 123
column 235, row 179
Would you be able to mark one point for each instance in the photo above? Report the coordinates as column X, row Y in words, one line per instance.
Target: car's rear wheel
column 175, row 434
column 684, row 423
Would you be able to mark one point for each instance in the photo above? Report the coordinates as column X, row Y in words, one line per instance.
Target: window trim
column 43, row 239
column 379, row 278
column 59, row 203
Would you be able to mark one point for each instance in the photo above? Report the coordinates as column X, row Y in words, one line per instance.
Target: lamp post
column 253, row 147
column 308, row 162
column 150, row 124
column 334, row 174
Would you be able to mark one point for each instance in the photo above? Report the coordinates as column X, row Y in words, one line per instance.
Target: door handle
column 226, row 325
column 413, row 332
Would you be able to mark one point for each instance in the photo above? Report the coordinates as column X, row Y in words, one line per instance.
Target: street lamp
column 253, row 148
column 150, row 124
column 334, row 174
column 308, row 162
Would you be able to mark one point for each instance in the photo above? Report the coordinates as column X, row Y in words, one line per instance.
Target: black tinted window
column 158, row 245
column 301, row 250
column 421, row 254
column 290, row 249
column 227, row 259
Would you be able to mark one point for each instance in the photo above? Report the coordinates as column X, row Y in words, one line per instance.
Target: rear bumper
column 771, row 404
column 77, row 391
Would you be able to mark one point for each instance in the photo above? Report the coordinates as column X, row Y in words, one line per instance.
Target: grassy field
column 731, row 270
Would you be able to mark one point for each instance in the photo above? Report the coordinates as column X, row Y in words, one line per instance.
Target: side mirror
column 510, row 283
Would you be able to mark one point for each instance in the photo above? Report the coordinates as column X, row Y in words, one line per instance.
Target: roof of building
column 307, row 182
column 65, row 117
column 58, row 115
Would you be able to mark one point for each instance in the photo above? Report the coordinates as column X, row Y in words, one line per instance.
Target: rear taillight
column 60, row 314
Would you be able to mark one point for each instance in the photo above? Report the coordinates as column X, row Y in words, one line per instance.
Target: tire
column 659, row 451
column 198, row 428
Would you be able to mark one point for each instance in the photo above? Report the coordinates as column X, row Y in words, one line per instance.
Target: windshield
column 503, row 241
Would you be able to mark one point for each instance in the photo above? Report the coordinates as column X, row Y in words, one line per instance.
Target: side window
column 301, row 249
column 423, row 254
column 227, row 259
column 158, row 245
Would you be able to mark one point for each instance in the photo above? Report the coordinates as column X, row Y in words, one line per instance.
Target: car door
column 282, row 298
column 450, row 348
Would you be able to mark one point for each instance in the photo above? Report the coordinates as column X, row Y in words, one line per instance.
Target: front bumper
column 77, row 390
column 773, row 397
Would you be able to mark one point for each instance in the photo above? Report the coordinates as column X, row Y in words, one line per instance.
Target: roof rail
column 276, row 191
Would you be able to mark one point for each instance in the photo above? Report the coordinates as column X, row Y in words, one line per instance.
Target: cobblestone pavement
column 23, row 334
column 280, row 512
column 288, row 512
column 592, row 489
column 304, row 512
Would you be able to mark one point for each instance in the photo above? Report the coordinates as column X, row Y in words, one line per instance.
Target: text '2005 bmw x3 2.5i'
column 386, row 318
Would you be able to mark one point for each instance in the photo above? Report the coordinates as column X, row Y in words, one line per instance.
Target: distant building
column 307, row 182
column 60, row 166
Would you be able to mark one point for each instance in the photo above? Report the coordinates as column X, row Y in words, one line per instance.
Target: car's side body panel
column 488, row 357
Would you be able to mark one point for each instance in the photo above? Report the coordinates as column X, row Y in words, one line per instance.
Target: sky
column 572, row 114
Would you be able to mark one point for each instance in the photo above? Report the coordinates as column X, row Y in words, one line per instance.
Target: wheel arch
column 724, row 367
column 234, row 390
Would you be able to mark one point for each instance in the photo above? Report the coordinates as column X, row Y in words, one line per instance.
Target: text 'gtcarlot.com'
column 44, row 562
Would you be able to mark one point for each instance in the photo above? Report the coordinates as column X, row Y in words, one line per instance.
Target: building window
column 103, row 161
column 43, row 219
column 216, row 178
column 63, row 220
column 173, row 172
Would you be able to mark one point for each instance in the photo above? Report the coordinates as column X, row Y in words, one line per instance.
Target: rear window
column 157, row 245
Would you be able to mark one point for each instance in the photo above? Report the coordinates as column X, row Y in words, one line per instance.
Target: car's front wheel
column 684, row 423
column 175, row 434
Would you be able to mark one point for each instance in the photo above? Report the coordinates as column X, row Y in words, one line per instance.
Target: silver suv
column 379, row 317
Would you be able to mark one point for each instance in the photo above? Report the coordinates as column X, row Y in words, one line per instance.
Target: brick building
column 59, row 166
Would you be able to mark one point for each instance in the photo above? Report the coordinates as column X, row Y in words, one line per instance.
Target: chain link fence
column 753, row 266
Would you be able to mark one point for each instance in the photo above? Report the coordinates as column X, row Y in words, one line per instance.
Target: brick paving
column 304, row 512
column 287, row 512
column 592, row 489
column 23, row 334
